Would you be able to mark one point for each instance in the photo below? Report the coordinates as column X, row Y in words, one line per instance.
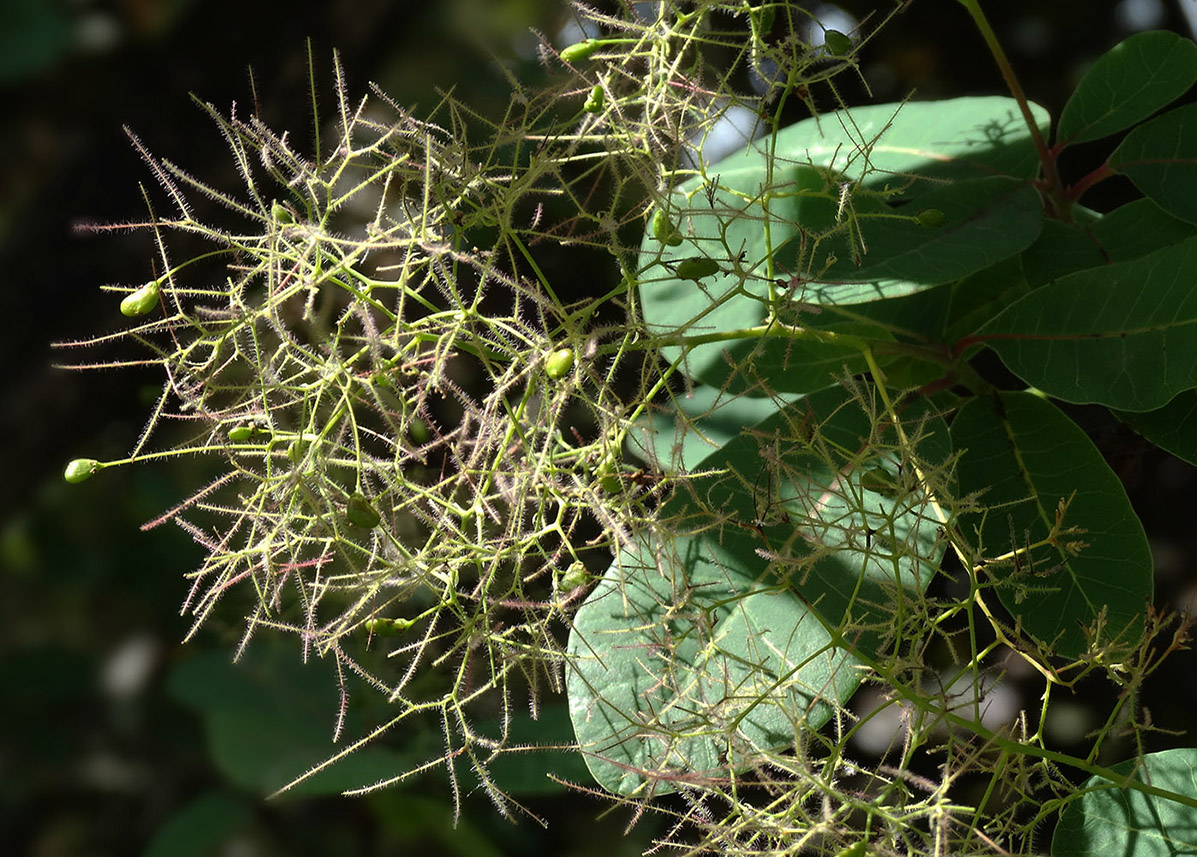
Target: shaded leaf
column 830, row 218
column 1160, row 157
column 1027, row 458
column 270, row 718
column 1137, row 228
column 1172, row 427
column 1061, row 249
column 1122, row 335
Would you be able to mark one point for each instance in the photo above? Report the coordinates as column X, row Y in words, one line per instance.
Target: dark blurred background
column 102, row 749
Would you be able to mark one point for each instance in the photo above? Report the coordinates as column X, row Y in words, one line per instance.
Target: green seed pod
column 696, row 267
column 298, row 448
column 141, row 301
column 281, row 214
column 880, row 481
column 558, row 364
column 594, row 104
column 580, row 50
column 80, row 470
column 930, row 217
column 384, row 626
column 359, row 513
column 240, row 434
column 418, row 431
column 664, row 230
column 607, row 475
column 837, row 43
column 574, row 576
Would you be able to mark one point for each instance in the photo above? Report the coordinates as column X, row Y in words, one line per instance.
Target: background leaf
column 1025, row 457
column 200, row 828
column 270, row 718
column 1160, row 157
column 1128, row 83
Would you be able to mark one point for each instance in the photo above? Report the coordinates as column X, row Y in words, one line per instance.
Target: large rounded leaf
column 827, row 215
column 736, row 634
column 678, row 660
column 1114, row 819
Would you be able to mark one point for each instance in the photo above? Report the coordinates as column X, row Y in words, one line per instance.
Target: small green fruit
column 664, row 230
column 384, row 626
column 240, row 434
column 930, row 217
column 298, row 448
column 880, row 481
column 558, row 364
column 856, row 849
column 574, row 576
column 580, row 50
column 837, row 43
column 594, row 104
column 80, row 470
column 359, row 512
column 418, row 431
column 696, row 267
column 141, row 301
column 608, row 478
column 281, row 214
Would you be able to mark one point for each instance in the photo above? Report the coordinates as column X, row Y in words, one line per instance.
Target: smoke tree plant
column 772, row 463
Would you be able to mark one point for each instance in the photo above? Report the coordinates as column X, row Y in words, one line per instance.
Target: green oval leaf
column 1119, row 335
column 1135, row 78
column 1026, row 458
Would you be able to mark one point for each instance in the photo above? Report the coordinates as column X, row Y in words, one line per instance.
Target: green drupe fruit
column 696, row 267
column 384, row 626
column 359, row 513
column 80, row 470
column 580, row 50
column 558, row 364
column 664, row 230
column 141, row 301
column 594, row 104
column 930, row 217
